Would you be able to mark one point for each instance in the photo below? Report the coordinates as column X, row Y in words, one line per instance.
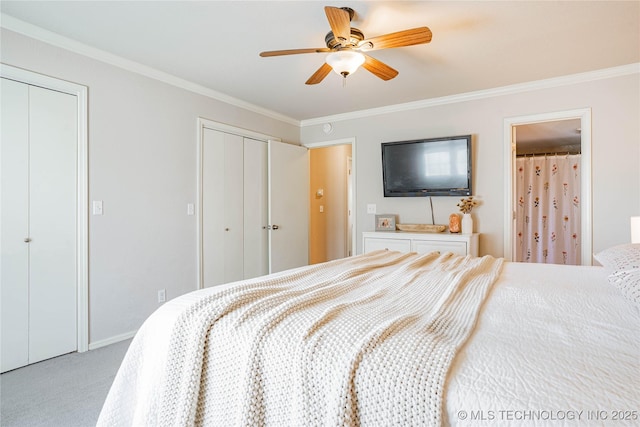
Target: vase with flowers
column 466, row 206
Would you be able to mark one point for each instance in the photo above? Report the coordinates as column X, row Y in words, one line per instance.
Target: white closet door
column 52, row 223
column 246, row 185
column 212, row 212
column 288, row 206
column 256, row 237
column 233, row 208
column 39, row 190
column 222, row 207
column 14, row 295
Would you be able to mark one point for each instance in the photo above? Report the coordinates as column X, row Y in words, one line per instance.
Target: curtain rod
column 562, row 153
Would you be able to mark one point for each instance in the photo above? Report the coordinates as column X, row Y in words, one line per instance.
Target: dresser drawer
column 442, row 246
column 459, row 244
column 374, row 244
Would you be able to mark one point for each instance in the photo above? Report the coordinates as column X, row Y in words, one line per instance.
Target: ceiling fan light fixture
column 345, row 62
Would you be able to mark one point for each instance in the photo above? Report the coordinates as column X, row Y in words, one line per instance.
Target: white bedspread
column 366, row 340
column 554, row 346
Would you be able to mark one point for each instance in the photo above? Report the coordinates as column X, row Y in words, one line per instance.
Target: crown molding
column 49, row 37
column 606, row 73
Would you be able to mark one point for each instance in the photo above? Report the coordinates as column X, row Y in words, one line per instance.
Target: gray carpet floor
column 64, row 391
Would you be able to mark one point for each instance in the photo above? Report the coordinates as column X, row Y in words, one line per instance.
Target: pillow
column 623, row 261
column 621, row 257
column 627, row 282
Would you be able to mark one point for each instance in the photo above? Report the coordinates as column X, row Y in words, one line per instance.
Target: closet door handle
column 27, row 239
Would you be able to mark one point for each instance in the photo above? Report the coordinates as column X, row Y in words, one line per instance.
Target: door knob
column 27, row 239
column 275, row 227
column 226, row 229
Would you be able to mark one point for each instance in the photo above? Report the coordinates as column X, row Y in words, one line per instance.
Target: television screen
column 427, row 167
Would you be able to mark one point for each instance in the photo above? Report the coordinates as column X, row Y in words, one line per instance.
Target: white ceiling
column 550, row 136
column 476, row 45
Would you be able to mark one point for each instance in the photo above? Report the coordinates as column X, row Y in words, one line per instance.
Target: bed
column 390, row 338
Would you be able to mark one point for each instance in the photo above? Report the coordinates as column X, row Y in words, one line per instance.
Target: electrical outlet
column 162, row 295
column 371, row 208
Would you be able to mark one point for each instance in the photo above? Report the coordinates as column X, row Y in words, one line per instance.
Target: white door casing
column 351, row 186
column 510, row 123
column 350, row 207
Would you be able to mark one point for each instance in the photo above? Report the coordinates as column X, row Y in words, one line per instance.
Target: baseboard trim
column 112, row 340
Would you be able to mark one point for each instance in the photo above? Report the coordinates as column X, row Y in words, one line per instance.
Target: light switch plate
column 371, row 208
column 97, row 207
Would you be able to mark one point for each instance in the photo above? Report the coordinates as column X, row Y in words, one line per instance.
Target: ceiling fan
column 348, row 46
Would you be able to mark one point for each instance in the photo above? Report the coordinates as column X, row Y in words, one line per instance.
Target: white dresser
column 461, row 244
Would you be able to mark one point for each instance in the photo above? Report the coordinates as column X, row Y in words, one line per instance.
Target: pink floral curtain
column 548, row 211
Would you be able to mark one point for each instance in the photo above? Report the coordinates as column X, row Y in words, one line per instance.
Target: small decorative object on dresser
column 385, row 222
column 466, row 205
column 467, row 224
column 454, row 223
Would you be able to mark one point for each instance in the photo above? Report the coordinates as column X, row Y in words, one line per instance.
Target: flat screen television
column 427, row 167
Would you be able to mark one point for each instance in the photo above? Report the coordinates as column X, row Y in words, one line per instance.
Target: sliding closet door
column 39, row 190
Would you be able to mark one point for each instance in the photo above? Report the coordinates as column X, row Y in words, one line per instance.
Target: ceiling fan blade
column 294, row 51
column 410, row 37
column 379, row 68
column 339, row 21
column 320, row 74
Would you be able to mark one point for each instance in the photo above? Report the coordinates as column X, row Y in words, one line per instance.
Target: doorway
column 332, row 198
column 530, row 235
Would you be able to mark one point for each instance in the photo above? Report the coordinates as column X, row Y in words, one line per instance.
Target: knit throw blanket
column 366, row 340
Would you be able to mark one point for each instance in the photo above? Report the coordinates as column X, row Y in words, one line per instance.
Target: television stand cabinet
column 461, row 244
